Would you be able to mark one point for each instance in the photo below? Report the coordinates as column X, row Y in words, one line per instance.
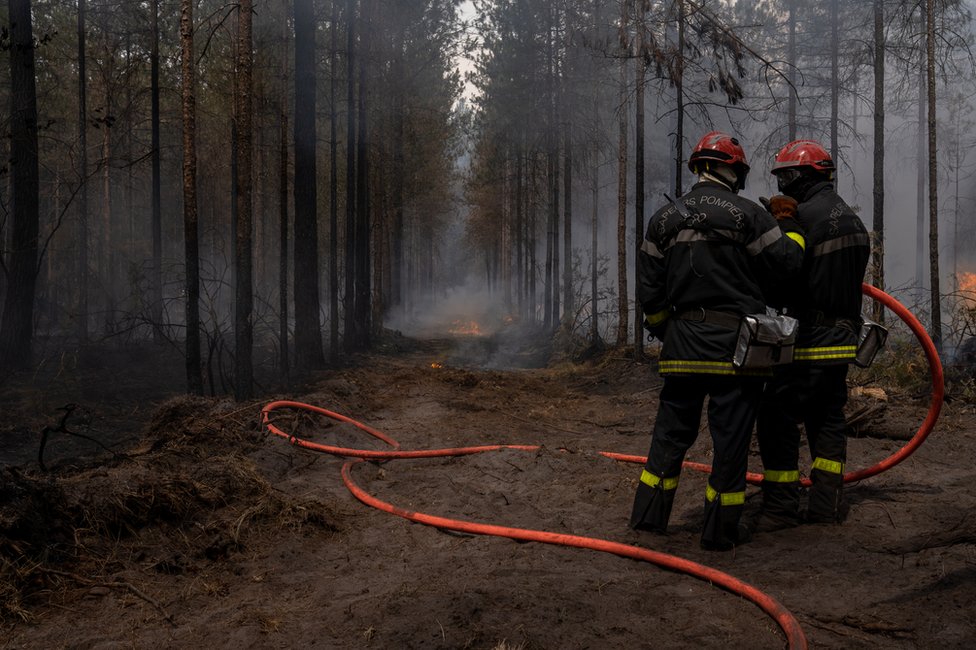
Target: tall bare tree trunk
column 878, row 279
column 308, row 333
column 82, row 306
column 348, row 302
column 933, row 182
column 157, row 206
column 362, row 319
column 679, row 71
column 17, row 328
column 834, row 80
column 639, row 201
column 283, row 202
column 791, row 72
column 243, row 327
column 334, row 195
column 623, row 301
column 194, row 378
column 107, row 258
column 595, row 192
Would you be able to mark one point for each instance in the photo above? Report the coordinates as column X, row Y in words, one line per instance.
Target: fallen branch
column 962, row 533
column 545, row 424
column 61, row 428
column 111, row 585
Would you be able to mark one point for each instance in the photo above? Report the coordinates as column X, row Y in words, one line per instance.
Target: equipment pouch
column 870, row 339
column 764, row 341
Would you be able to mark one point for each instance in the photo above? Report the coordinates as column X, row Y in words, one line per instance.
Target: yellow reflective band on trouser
column 827, row 353
column 831, row 466
column 709, row 368
column 798, row 238
column 777, row 476
column 659, row 317
column 650, row 479
column 726, row 499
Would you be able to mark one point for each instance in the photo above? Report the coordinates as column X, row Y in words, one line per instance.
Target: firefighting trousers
column 814, row 396
column 732, row 404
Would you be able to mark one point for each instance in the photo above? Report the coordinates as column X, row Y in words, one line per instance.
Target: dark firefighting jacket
column 717, row 261
column 826, row 296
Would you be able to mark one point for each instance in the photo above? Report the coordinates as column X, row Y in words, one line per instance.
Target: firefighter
column 826, row 299
column 707, row 260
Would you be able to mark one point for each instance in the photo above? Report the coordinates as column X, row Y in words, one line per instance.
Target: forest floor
column 182, row 523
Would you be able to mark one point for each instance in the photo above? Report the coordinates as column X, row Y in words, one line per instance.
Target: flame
column 436, row 365
column 967, row 283
column 461, row 327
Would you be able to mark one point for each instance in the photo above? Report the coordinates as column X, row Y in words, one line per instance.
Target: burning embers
column 463, row 327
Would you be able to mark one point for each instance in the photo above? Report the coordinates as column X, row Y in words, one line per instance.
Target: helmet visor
column 785, row 177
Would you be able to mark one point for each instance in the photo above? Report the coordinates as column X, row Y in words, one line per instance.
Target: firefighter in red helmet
column 707, row 259
column 826, row 299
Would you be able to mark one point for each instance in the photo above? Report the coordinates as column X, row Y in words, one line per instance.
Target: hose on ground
column 786, row 621
column 782, row 616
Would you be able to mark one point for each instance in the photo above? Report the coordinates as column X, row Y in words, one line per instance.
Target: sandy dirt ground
column 199, row 529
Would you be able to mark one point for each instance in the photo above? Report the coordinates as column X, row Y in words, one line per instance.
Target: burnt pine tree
column 194, row 378
column 81, row 313
column 878, row 189
column 349, row 321
column 308, row 335
column 283, row 200
column 16, row 331
column 243, row 327
column 334, row 192
column 157, row 210
column 361, row 302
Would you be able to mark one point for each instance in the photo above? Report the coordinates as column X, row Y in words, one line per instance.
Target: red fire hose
column 771, row 606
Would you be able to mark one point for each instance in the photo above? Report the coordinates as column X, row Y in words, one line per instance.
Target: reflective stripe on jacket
column 724, row 255
column 829, row 288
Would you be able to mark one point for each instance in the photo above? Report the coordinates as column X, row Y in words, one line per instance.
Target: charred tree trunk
column 82, row 305
column 791, row 73
column 194, row 377
column 595, row 192
column 17, row 330
column 396, row 243
column 834, row 80
column 362, row 312
column 334, row 196
column 157, row 206
column 679, row 70
column 519, row 238
column 936, row 295
column 920, row 161
column 308, row 335
column 348, row 301
column 879, row 152
column 639, row 201
column 283, row 202
column 623, row 302
column 243, row 327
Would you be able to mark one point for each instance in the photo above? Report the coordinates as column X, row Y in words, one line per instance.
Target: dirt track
column 246, row 541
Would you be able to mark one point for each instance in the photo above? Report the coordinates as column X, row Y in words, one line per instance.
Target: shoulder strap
column 680, row 206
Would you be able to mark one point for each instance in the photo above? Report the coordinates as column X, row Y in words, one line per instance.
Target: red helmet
column 803, row 153
column 718, row 147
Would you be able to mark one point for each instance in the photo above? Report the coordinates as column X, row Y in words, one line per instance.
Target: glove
column 658, row 331
column 765, row 203
column 783, row 207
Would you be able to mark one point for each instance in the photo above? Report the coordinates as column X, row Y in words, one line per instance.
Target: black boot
column 780, row 507
column 722, row 530
column 652, row 508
